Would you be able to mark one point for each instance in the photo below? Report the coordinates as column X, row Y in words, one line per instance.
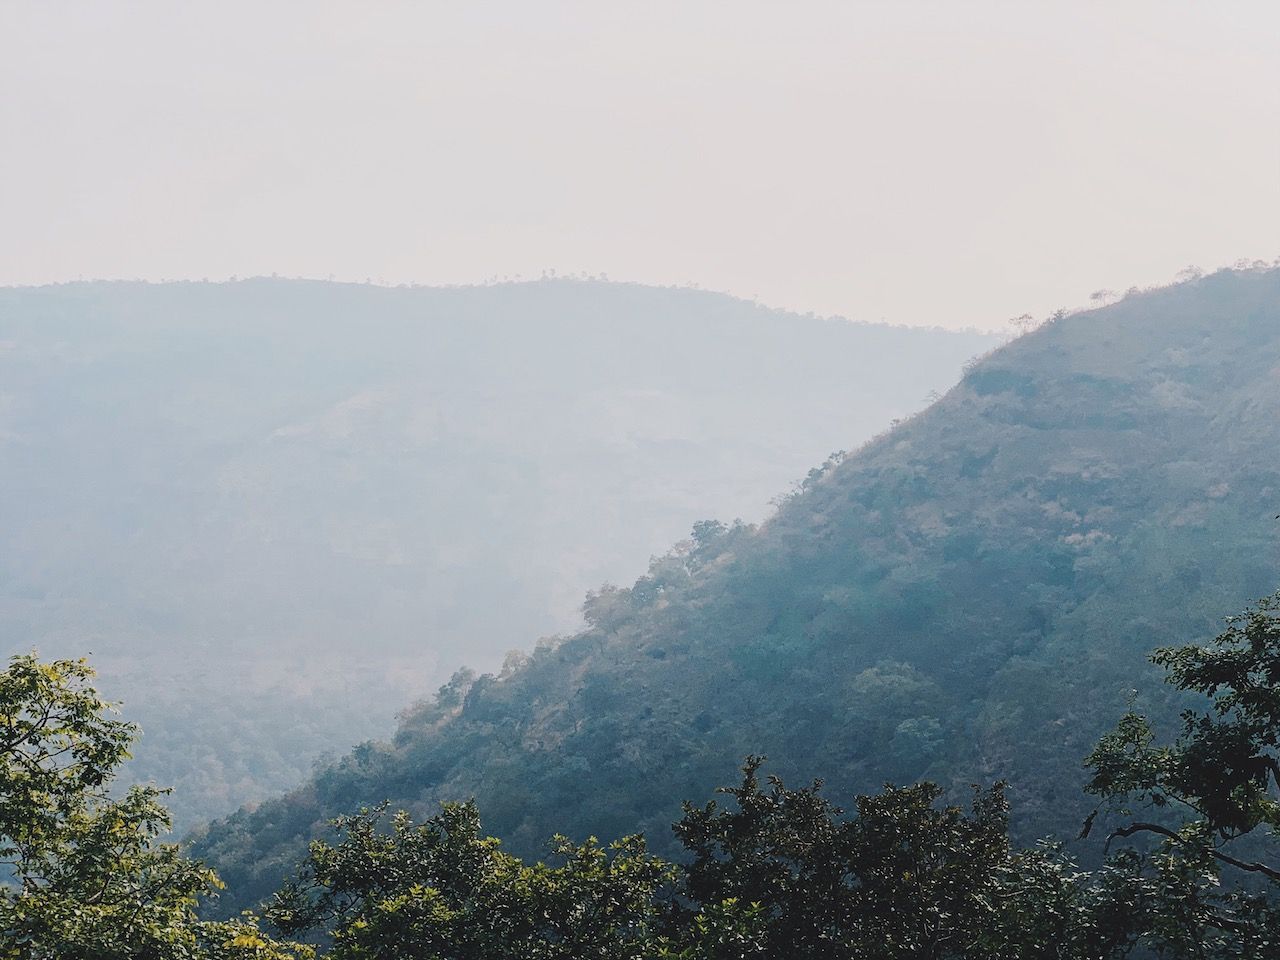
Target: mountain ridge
column 967, row 597
column 511, row 284
column 224, row 491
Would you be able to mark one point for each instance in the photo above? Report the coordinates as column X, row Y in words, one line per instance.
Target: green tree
column 902, row 877
column 441, row 890
column 1209, row 797
column 87, row 876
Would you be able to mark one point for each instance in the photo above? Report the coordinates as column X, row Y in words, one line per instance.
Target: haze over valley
column 278, row 512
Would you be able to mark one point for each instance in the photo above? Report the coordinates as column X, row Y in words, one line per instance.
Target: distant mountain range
column 969, row 597
column 276, row 512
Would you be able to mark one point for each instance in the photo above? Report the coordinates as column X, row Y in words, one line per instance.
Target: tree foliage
column 769, row 871
column 902, row 876
column 1209, row 797
column 766, row 871
column 772, row 872
column 87, row 875
column 441, row 890
column 1221, row 773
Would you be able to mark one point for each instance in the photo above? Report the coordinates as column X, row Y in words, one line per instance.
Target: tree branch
column 1142, row 827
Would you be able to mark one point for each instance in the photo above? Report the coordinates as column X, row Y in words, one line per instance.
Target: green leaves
column 772, row 872
column 89, row 878
column 902, row 877
column 1221, row 771
column 441, row 889
column 1213, row 786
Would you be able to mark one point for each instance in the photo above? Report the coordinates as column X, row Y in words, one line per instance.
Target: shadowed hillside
column 968, row 598
column 277, row 511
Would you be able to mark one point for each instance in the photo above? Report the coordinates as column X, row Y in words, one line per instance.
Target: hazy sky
column 952, row 163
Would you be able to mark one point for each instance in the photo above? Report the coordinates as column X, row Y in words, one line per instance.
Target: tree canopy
column 766, row 870
column 87, row 874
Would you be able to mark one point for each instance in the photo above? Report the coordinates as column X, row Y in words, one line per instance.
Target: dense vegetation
column 223, row 490
column 769, row 872
column 968, row 598
column 86, row 876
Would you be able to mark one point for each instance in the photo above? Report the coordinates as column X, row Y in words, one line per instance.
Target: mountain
column 967, row 598
column 276, row 511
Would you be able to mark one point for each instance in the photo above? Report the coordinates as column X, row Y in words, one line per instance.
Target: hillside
column 277, row 511
column 967, row 598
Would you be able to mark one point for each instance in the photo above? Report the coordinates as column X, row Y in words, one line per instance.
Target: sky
column 953, row 164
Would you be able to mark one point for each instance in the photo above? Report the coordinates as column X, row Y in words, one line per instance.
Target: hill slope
column 275, row 511
column 967, row 598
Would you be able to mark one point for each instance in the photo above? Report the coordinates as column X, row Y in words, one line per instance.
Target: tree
column 441, row 890
column 784, row 872
column 1210, row 795
column 779, row 872
column 88, row 877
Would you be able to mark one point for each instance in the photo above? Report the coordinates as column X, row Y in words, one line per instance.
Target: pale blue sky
column 951, row 163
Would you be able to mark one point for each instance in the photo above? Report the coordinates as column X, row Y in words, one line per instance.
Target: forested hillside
column 275, row 511
column 968, row 598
